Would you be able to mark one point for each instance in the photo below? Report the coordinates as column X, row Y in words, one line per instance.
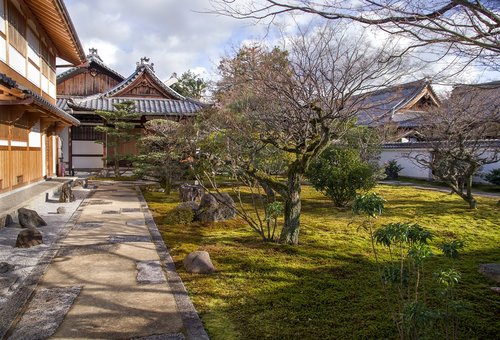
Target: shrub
column 392, row 169
column 339, row 173
column 493, row 176
column 179, row 215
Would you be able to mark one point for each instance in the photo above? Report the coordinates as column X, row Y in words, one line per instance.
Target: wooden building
column 83, row 90
column 32, row 34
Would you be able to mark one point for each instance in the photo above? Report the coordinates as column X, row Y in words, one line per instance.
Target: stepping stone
column 45, row 313
column 111, row 212
column 150, row 272
column 491, row 271
column 128, row 238
column 175, row 336
column 130, row 210
column 136, row 223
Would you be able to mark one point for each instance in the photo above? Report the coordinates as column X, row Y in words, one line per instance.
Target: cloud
column 174, row 34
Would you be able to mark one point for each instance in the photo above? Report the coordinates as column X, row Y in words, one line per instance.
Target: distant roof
column 385, row 105
column 92, row 59
column 37, row 100
column 55, row 20
column 172, row 103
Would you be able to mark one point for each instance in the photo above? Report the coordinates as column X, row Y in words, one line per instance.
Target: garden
column 328, row 285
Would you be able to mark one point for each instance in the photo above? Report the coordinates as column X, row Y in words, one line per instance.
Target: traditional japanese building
column 398, row 106
column 32, row 34
column 93, row 87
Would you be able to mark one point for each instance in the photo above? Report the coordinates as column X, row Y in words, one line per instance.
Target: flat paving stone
column 45, row 313
column 150, row 272
column 111, row 212
column 128, row 238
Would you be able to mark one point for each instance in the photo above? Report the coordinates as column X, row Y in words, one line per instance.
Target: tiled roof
column 142, row 68
column 424, row 145
column 146, row 106
column 38, row 100
column 143, row 106
column 92, row 58
column 379, row 106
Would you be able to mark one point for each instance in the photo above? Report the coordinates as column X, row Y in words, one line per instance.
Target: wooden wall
column 22, row 165
column 85, row 84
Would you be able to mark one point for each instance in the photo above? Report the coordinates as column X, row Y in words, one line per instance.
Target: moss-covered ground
column 328, row 287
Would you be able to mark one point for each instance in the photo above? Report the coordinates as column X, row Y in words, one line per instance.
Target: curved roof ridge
column 90, row 58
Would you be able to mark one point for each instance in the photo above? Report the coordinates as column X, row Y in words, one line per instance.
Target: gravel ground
column 26, row 259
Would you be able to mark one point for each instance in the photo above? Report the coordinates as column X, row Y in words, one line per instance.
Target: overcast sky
column 175, row 34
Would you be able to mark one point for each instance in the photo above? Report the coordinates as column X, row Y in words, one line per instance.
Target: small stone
column 491, row 271
column 6, row 267
column 30, row 218
column 28, row 238
column 5, row 221
column 198, row 262
column 61, row 210
column 83, row 182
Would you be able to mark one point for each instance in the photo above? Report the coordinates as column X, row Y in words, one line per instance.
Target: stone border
column 189, row 315
column 19, row 300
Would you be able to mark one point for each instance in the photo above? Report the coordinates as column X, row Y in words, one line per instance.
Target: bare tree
column 469, row 28
column 296, row 101
column 462, row 137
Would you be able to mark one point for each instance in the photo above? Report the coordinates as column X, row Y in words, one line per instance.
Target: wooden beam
column 26, row 101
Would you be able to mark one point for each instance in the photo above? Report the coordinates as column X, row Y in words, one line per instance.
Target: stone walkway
column 112, row 278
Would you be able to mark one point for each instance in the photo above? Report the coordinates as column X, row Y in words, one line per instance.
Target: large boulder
column 28, row 238
column 30, row 218
column 215, row 207
column 491, row 271
column 5, row 221
column 66, row 194
column 198, row 262
column 189, row 192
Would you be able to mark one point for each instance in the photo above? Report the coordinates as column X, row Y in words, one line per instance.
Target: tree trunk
column 290, row 231
column 470, row 199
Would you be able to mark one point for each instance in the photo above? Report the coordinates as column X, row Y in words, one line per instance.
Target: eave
column 55, row 19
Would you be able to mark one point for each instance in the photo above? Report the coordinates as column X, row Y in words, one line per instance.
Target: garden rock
column 491, row 271
column 215, row 207
column 61, row 210
column 30, row 218
column 188, row 192
column 28, row 238
column 83, row 182
column 496, row 289
column 198, row 262
column 6, row 267
column 5, row 221
column 66, row 194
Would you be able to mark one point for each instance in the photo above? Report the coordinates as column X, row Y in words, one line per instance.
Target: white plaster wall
column 33, row 75
column 3, row 49
column 88, row 162
column 34, row 136
column 44, row 155
column 55, row 154
column 2, row 15
column 87, row 148
column 64, row 135
column 413, row 169
column 17, row 61
column 404, row 158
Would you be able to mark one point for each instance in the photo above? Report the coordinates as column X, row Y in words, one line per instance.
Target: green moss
column 327, row 287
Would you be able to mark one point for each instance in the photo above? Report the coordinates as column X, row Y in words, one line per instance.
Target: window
column 86, row 132
column 17, row 29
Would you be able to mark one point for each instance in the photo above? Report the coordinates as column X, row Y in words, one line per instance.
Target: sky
column 174, row 34
column 178, row 36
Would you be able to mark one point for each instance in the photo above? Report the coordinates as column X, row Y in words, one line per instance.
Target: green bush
column 392, row 169
column 493, row 176
column 339, row 173
column 179, row 215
